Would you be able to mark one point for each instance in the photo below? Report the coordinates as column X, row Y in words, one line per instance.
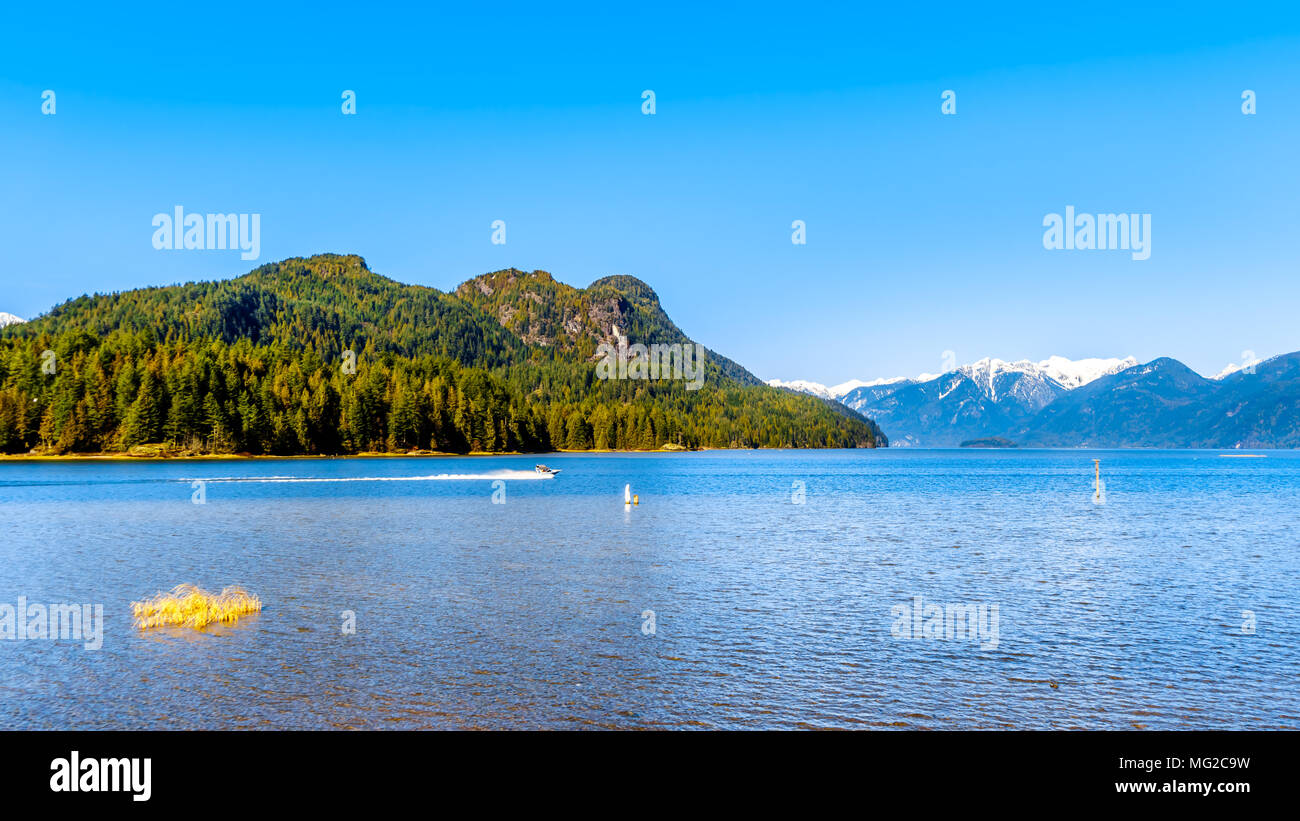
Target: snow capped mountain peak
column 1069, row 374
column 995, row 378
column 1079, row 372
column 9, row 319
column 803, row 386
column 991, row 365
column 986, row 370
column 986, row 373
column 834, row 391
column 1233, row 367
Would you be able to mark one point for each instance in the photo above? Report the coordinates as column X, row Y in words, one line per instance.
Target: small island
column 989, row 442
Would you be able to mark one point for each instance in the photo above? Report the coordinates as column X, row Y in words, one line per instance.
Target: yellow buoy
column 636, row 500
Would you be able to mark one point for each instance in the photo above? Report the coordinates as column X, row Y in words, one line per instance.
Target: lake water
column 766, row 613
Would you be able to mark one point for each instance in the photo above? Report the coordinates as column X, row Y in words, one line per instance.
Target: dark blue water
column 767, row 613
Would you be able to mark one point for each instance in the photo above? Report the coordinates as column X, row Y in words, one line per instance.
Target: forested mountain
column 544, row 312
column 263, row 364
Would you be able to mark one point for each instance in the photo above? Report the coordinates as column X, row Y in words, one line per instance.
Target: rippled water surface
column 767, row 613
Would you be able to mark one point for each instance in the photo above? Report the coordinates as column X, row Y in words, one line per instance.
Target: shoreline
column 250, row 457
column 18, row 458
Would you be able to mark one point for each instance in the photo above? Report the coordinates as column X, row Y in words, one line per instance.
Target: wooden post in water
column 1096, row 493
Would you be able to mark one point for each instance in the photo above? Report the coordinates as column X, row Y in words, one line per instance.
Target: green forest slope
column 262, row 364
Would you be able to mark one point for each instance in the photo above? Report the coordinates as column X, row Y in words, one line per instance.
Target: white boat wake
column 512, row 475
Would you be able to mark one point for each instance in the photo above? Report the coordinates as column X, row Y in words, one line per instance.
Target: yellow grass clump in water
column 190, row 606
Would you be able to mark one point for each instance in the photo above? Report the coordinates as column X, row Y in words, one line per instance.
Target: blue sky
column 924, row 231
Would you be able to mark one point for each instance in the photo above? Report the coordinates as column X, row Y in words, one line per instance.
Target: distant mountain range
column 9, row 319
column 1069, row 373
column 1085, row 403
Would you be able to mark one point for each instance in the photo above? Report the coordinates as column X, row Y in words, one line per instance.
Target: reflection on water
column 767, row 613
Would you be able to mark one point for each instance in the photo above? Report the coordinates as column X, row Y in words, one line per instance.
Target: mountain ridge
column 322, row 355
column 1070, row 373
column 1091, row 403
